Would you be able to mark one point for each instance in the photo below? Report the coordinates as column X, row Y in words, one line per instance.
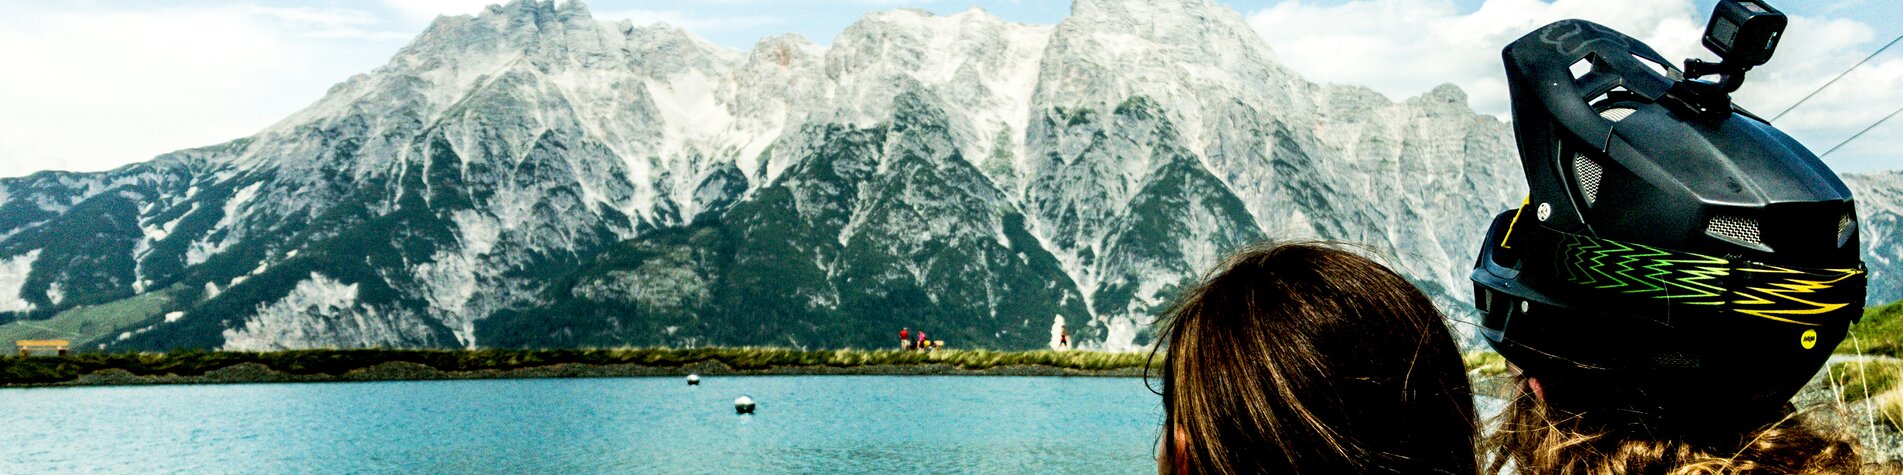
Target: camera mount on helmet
column 1744, row 34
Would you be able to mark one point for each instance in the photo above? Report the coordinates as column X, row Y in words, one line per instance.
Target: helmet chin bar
column 1744, row 34
column 1643, row 279
column 1654, row 336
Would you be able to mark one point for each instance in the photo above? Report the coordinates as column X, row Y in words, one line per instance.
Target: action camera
column 1744, row 32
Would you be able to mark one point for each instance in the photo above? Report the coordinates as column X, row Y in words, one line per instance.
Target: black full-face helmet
column 1672, row 263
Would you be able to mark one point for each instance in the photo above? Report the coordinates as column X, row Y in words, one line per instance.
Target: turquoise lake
column 804, row 424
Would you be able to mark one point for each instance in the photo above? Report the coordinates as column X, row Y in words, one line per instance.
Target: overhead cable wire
column 1841, row 75
column 1853, row 138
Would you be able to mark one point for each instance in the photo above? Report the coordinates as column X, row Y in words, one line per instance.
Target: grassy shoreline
column 1880, row 335
column 210, row 367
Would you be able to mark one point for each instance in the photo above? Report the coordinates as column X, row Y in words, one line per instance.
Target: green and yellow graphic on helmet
column 1781, row 293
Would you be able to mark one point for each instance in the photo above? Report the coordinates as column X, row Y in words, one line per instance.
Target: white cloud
column 331, row 22
column 319, row 16
column 1403, row 48
column 91, row 89
column 425, row 10
column 1817, row 51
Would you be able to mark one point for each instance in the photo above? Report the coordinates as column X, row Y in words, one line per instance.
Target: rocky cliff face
column 1880, row 203
column 529, row 176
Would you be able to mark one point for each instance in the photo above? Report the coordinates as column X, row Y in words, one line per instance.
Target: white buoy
column 693, row 380
column 744, row 405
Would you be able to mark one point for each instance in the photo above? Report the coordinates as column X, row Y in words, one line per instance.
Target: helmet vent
column 1664, row 70
column 1742, row 230
column 1844, row 226
column 1581, row 67
column 1617, row 113
column 1676, row 360
column 1588, row 173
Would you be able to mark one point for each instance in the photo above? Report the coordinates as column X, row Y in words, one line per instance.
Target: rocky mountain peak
column 1194, row 57
column 574, row 9
column 784, row 50
column 528, row 176
column 919, row 32
column 1083, row 9
column 1447, row 93
column 539, row 11
column 553, row 36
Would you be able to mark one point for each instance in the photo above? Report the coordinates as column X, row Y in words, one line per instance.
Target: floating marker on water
column 744, row 405
column 693, row 380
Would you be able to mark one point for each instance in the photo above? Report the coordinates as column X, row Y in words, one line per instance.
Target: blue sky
column 106, row 83
column 738, row 24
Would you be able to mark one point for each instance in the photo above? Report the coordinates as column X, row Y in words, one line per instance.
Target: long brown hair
column 1536, row 438
column 1305, row 358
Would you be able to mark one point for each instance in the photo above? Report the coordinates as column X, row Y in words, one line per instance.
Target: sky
column 92, row 85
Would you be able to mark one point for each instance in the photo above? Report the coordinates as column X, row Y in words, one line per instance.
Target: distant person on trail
column 1680, row 271
column 1308, row 359
column 921, row 340
column 904, row 342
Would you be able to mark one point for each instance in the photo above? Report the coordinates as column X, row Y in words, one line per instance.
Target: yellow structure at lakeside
column 60, row 347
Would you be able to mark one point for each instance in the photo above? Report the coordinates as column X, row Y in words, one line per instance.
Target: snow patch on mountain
column 323, row 313
column 1121, row 331
column 778, row 84
column 55, row 294
column 13, row 274
column 453, row 276
column 1192, row 56
column 203, row 249
column 983, row 67
column 153, row 233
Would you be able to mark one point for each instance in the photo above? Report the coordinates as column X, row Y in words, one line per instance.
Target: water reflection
column 831, row 424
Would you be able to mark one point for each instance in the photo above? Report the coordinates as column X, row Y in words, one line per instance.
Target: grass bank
column 303, row 365
column 193, row 366
column 1880, row 333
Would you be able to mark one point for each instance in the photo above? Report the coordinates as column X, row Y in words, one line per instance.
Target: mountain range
column 532, row 177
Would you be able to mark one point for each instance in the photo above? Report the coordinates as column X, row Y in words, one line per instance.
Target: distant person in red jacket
column 904, row 341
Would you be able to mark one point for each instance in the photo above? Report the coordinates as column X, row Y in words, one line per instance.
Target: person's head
column 1677, row 274
column 1305, row 358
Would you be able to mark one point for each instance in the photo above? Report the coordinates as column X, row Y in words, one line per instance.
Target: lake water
column 805, row 424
